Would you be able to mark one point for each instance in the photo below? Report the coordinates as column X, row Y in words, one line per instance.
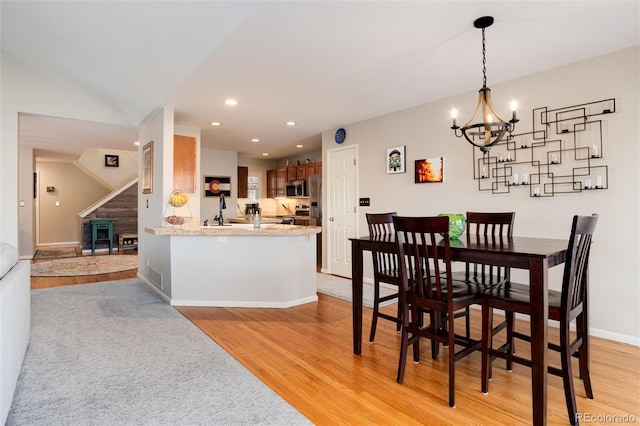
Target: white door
column 341, row 208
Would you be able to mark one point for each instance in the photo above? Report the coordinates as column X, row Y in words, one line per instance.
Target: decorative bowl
column 457, row 224
column 177, row 220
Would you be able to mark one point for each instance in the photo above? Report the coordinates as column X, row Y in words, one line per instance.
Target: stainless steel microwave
column 297, row 188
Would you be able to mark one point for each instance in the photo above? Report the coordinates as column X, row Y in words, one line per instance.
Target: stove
column 302, row 211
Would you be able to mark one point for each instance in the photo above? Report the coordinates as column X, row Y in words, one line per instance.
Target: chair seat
column 516, row 292
column 479, row 279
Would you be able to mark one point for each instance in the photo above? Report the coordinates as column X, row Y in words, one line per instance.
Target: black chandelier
column 491, row 128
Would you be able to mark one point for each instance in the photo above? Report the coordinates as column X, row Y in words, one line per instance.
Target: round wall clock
column 341, row 134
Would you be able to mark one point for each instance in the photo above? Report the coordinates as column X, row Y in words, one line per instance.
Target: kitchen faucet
column 223, row 205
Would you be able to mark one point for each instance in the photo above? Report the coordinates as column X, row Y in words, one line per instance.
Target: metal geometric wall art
column 564, row 153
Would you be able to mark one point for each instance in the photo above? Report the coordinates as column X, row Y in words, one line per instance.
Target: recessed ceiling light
column 136, row 143
column 255, row 140
column 265, row 154
column 230, row 102
column 299, row 145
column 290, row 123
column 216, row 123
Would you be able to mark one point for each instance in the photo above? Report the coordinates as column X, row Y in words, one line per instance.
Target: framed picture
column 147, row 168
column 215, row 186
column 111, row 160
column 430, row 170
column 396, row 160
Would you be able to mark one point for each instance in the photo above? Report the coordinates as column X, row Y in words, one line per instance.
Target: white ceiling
column 323, row 64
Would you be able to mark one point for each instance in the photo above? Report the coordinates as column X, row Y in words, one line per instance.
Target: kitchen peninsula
column 236, row 265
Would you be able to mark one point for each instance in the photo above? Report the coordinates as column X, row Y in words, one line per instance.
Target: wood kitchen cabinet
column 292, row 173
column 281, row 181
column 310, row 169
column 243, row 182
column 276, row 181
column 278, row 178
column 272, row 183
column 301, row 173
column 184, row 163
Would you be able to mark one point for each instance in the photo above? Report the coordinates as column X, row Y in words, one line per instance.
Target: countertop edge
column 271, row 231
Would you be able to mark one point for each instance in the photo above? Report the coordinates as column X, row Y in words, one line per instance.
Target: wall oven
column 297, row 188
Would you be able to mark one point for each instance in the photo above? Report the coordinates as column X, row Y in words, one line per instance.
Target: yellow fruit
column 178, row 199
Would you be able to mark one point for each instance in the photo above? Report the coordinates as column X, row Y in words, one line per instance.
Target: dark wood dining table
column 536, row 255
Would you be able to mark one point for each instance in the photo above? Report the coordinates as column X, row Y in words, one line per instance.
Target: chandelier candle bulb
column 454, row 115
column 599, row 181
column 515, row 178
column 595, row 151
column 525, row 178
column 514, row 107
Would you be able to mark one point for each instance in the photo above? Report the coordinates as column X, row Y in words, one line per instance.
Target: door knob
column 331, row 218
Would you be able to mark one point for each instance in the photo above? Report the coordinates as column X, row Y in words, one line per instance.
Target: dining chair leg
column 583, row 355
column 511, row 341
column 376, row 303
column 487, row 343
column 404, row 345
column 567, row 376
column 435, row 319
column 452, row 364
column 418, row 319
column 467, row 322
column 399, row 322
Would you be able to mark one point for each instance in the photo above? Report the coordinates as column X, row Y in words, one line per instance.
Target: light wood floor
column 305, row 355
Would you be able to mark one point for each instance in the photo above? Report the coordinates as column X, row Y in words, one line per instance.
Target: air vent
column 155, row 277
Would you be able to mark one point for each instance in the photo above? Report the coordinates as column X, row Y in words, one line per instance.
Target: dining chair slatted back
column 427, row 290
column 385, row 270
column 565, row 306
column 490, row 228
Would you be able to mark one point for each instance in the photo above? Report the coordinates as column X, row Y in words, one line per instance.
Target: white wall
column 26, row 90
column 154, row 254
column 74, row 191
column 425, row 130
column 219, row 163
column 258, row 168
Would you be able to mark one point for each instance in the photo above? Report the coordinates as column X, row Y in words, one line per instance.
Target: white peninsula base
column 268, row 269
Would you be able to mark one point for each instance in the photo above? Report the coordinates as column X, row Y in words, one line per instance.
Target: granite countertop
column 266, row 230
column 248, row 219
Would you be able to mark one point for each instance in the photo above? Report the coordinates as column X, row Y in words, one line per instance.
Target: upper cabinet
column 184, row 163
column 310, row 169
column 243, row 182
column 277, row 178
column 292, row 173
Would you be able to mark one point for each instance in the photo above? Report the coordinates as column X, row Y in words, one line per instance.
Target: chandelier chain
column 484, row 62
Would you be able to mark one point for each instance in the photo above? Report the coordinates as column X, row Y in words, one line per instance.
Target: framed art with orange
column 430, row 170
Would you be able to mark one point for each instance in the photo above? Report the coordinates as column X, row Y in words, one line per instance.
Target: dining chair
column 427, row 290
column 489, row 228
column 565, row 306
column 385, row 270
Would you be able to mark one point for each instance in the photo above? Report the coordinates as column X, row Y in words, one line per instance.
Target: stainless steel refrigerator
column 315, row 210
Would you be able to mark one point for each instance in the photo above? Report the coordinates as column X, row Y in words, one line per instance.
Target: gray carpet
column 114, row 353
